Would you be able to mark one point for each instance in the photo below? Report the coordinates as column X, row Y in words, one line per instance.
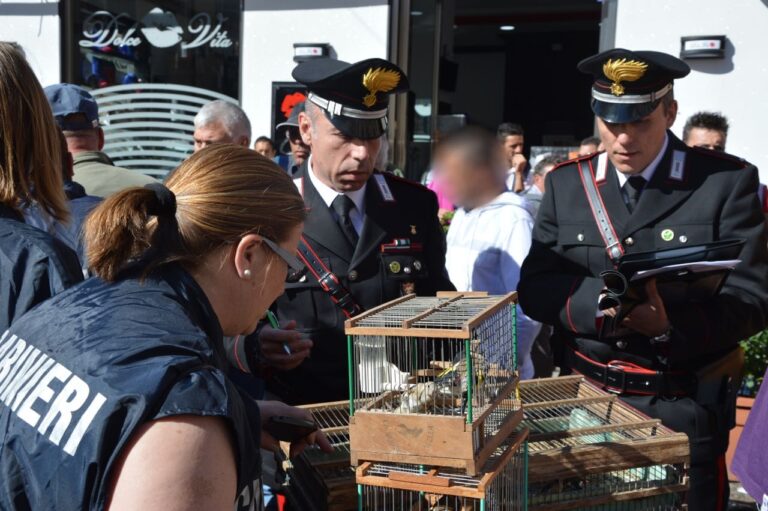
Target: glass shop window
column 114, row 42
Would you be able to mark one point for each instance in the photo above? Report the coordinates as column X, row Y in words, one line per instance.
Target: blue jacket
column 33, row 266
column 81, row 372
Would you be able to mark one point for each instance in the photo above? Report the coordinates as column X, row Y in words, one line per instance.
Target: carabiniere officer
column 369, row 237
column 678, row 362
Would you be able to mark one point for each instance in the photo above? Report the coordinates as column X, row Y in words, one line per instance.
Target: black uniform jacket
column 33, row 266
column 410, row 213
column 707, row 197
column 86, row 368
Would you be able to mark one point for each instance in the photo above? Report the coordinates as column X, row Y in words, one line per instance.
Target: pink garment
column 442, row 199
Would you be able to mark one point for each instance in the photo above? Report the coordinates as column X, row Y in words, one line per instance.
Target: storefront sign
column 159, row 28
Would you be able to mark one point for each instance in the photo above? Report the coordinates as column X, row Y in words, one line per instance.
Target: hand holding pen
column 282, row 346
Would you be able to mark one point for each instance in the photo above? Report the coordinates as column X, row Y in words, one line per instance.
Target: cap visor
column 365, row 129
column 618, row 113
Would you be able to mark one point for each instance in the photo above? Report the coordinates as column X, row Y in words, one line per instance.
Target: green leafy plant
column 755, row 363
column 445, row 220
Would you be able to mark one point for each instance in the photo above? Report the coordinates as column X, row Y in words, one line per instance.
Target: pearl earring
column 247, row 273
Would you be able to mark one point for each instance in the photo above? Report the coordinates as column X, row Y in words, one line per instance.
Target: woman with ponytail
column 33, row 265
column 124, row 402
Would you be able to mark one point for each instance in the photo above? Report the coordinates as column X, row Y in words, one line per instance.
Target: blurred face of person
column 213, row 133
column 709, row 139
column 632, row 146
column 513, row 144
column 587, row 149
column 466, row 184
column 264, row 148
column 299, row 149
column 341, row 162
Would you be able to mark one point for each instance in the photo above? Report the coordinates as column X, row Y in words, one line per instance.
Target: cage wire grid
column 568, row 413
column 432, row 374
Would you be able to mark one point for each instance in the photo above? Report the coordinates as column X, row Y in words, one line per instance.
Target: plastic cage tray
column 440, row 376
column 501, row 485
column 590, row 450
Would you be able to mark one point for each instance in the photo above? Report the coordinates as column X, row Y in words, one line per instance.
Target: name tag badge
column 602, row 167
column 386, row 193
column 677, row 171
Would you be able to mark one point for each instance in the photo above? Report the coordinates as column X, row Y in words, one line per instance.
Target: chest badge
column 667, row 234
column 394, row 267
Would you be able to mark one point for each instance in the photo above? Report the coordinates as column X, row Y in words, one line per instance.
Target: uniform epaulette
column 575, row 160
column 721, row 155
column 405, row 180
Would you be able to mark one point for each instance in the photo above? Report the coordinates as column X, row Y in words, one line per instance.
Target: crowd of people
column 138, row 366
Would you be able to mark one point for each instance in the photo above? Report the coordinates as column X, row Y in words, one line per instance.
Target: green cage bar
column 351, row 374
column 470, row 379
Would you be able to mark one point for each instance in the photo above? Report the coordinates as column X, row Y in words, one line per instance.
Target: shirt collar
column 647, row 174
column 328, row 194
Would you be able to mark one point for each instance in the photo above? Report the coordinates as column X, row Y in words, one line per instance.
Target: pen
column 274, row 324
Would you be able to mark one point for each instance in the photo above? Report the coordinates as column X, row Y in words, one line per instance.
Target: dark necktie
column 342, row 205
column 632, row 190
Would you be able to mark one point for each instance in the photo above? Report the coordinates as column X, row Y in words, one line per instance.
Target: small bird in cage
column 417, row 398
column 453, row 380
column 435, row 502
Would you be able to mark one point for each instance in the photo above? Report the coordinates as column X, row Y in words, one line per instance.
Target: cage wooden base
column 435, row 440
column 500, row 486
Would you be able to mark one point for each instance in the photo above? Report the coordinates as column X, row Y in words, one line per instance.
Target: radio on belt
column 401, row 258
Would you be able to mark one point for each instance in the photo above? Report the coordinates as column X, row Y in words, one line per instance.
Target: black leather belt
column 626, row 378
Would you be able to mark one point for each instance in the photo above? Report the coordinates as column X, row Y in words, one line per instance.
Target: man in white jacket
column 490, row 233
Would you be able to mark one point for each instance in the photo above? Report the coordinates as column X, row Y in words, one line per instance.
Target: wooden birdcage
column 440, row 376
column 591, row 451
column 501, row 485
column 319, row 481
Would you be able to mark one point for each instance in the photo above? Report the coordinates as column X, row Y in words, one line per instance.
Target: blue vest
column 81, row 372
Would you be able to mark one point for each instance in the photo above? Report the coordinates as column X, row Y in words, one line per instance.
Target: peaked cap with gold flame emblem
column 355, row 96
column 628, row 85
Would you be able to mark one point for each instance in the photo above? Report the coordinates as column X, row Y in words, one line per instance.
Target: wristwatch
column 663, row 338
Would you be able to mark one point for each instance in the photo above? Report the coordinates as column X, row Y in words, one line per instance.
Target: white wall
column 35, row 26
column 357, row 29
column 735, row 86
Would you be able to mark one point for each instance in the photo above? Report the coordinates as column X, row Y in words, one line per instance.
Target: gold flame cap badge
column 623, row 70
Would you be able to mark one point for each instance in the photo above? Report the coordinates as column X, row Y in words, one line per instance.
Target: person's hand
column 650, row 317
column 273, row 341
column 278, row 409
column 518, row 163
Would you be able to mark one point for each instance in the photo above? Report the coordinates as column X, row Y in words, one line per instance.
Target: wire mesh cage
column 501, row 485
column 440, row 378
column 591, row 451
column 319, row 481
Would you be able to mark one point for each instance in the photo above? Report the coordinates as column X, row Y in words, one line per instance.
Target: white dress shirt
column 486, row 248
column 328, row 194
column 648, row 172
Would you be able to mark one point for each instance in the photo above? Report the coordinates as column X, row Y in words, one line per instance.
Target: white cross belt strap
column 612, row 244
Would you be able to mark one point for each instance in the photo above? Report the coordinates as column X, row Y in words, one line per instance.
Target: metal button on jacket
column 580, row 237
column 629, row 241
column 353, row 275
column 683, row 239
